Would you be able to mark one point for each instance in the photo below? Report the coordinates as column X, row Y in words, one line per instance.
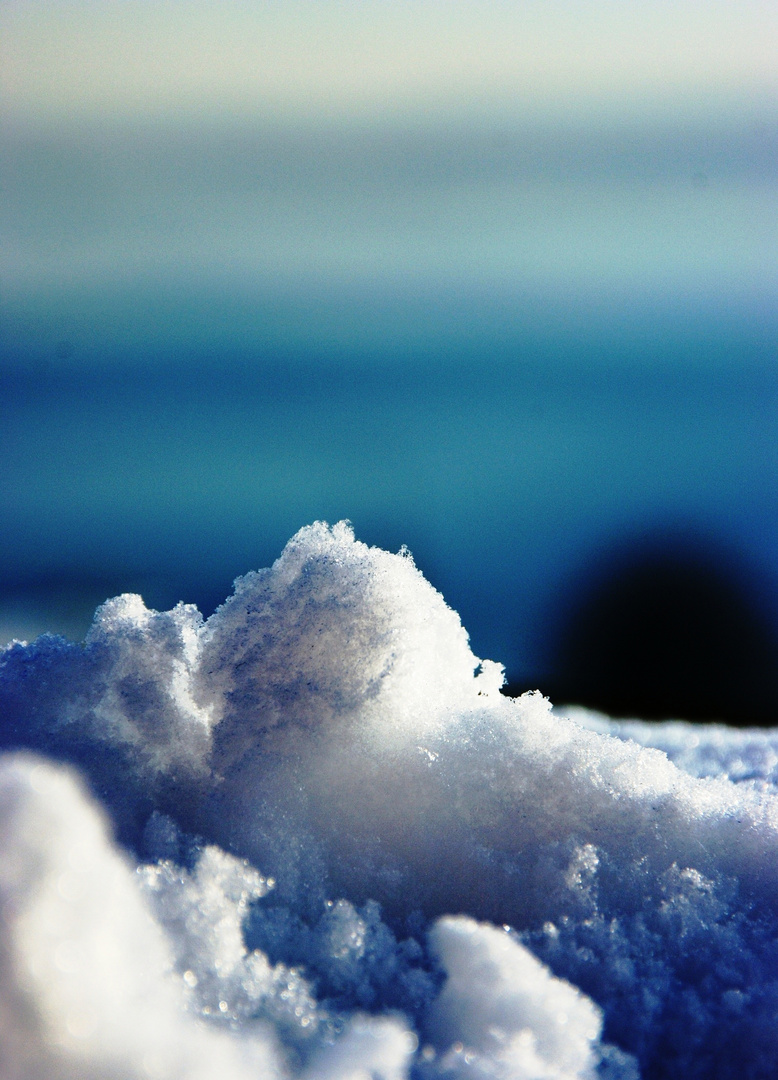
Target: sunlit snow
column 310, row 838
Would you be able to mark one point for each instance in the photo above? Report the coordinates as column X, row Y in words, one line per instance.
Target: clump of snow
column 333, row 631
column 142, row 696
column 501, row 1013
column 371, row 1047
column 86, row 985
column 327, row 802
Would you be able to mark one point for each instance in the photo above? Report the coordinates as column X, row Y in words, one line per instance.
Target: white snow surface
column 308, row 837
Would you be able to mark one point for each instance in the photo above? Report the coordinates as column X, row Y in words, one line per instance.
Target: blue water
column 508, row 468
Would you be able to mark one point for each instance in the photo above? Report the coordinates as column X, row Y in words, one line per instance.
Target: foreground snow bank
column 347, row 855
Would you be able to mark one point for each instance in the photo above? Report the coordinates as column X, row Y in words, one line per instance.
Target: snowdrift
column 308, row 837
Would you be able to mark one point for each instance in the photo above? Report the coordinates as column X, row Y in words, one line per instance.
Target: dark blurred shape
column 670, row 631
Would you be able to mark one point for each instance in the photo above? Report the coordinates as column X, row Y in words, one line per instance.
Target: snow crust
column 339, row 851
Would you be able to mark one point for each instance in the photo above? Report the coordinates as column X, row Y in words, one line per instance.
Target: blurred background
column 493, row 280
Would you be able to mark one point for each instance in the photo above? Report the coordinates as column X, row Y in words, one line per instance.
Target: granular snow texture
column 310, row 838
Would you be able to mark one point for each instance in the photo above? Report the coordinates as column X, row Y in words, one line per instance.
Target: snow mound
column 345, row 853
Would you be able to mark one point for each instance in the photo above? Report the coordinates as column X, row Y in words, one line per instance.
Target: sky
column 314, row 162
column 113, row 60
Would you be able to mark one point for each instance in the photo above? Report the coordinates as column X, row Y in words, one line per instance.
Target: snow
column 310, row 838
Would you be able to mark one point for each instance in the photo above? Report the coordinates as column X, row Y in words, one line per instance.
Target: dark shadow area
column 668, row 630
